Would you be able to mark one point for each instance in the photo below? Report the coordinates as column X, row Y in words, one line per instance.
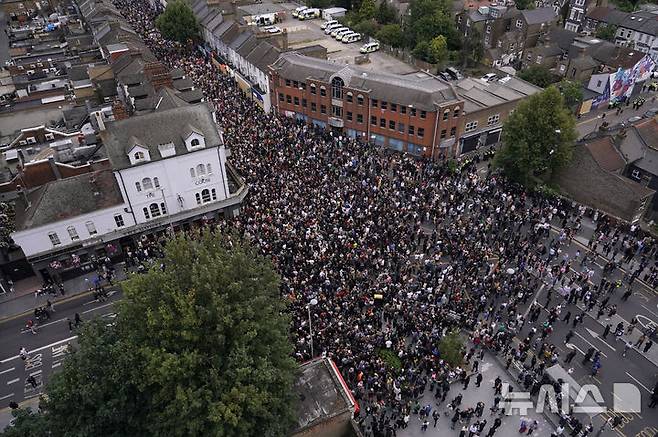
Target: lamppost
column 312, row 302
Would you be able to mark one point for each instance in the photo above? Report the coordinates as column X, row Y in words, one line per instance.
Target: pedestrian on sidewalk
column 606, row 331
column 23, row 354
column 627, row 346
column 78, row 320
column 50, row 306
column 640, row 340
column 569, row 335
column 532, row 427
column 570, row 356
column 647, row 346
column 478, row 380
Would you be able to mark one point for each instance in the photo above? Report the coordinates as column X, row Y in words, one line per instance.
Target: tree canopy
column 392, row 35
column 451, row 349
column 606, row 32
column 178, row 22
column 538, row 75
column 571, row 91
column 199, row 347
column 538, row 137
column 6, row 224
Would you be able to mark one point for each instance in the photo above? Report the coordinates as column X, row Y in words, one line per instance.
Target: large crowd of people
column 395, row 250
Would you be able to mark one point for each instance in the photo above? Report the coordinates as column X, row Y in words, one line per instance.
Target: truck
column 333, row 13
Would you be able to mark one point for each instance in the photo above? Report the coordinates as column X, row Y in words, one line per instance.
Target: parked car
column 489, row 77
column 352, row 37
column 651, row 113
column 272, row 29
column 452, row 71
column 328, row 23
column 369, row 47
column 331, row 27
column 634, row 119
column 341, row 33
column 338, row 29
column 309, row 14
column 445, row 76
column 298, row 10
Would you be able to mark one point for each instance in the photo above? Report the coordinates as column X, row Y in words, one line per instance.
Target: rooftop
column 478, row 94
column 604, row 153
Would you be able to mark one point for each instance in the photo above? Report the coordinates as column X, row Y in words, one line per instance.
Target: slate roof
column 69, row 197
column 156, row 128
column 478, row 94
column 419, row 89
column 640, row 21
column 604, row 153
column 539, row 15
column 264, row 55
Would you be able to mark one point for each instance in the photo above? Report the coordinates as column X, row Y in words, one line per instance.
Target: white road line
column 98, row 308
column 6, row 397
column 571, row 345
column 32, row 395
column 635, row 379
column 38, row 372
column 13, row 381
column 586, row 341
column 649, row 310
column 7, row 370
column 57, row 364
column 25, row 331
column 6, row 360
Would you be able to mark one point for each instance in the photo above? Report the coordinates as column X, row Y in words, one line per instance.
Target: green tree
column 524, row 4
column 391, row 34
column 472, row 50
column 7, row 214
column 537, row 137
column 428, row 19
column 421, row 51
column 606, row 32
column 451, row 349
column 572, row 92
column 438, row 50
column 366, row 27
column 199, row 347
column 178, row 22
column 367, row 10
column 538, row 75
column 386, row 13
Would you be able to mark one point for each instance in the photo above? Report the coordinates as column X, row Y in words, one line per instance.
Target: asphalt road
column 46, row 349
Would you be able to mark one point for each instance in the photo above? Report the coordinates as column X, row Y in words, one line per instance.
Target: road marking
column 635, row 379
column 57, row 364
column 13, row 381
column 32, row 395
column 6, row 397
column 98, row 308
column 7, row 370
column 38, row 372
column 649, row 310
column 6, row 360
column 586, row 341
column 573, row 346
column 595, row 335
column 25, row 331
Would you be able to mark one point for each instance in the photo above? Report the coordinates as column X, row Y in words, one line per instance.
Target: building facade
column 419, row 113
column 638, row 30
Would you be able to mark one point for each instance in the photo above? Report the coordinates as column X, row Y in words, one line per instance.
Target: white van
column 340, row 34
column 328, row 23
column 370, row 47
column 309, row 14
column 352, row 37
column 338, row 29
column 298, row 10
column 331, row 27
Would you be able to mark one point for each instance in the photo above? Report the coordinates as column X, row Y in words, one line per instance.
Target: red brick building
column 416, row 113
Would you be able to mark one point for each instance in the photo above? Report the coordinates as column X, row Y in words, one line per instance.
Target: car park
column 369, row 47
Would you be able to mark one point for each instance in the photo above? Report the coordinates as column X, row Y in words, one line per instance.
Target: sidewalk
column 23, row 300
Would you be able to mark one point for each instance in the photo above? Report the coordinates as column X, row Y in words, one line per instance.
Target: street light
column 312, row 302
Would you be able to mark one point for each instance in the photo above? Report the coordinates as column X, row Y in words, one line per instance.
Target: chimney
column 119, row 111
column 23, row 195
column 157, row 74
column 54, row 168
column 21, row 157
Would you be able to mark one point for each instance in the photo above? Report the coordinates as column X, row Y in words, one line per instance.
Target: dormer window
column 139, row 156
column 195, row 142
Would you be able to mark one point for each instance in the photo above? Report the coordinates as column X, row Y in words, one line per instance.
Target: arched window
column 313, row 87
column 208, row 168
column 154, row 209
column 195, row 142
column 349, row 97
column 139, row 156
column 456, row 112
column 146, row 213
column 200, row 169
column 156, row 183
column 337, row 85
column 323, row 90
column 138, row 186
column 198, row 198
column 446, row 114
column 205, row 195
column 214, row 194
column 359, row 100
column 147, row 184
column 192, row 172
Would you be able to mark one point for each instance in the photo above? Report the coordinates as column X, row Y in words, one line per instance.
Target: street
column 46, row 349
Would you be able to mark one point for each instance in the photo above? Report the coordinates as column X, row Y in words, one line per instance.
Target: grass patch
column 391, row 360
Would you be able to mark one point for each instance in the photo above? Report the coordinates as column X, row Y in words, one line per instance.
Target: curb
column 64, row 300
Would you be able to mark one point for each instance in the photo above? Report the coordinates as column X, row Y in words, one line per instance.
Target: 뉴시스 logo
column 585, row 399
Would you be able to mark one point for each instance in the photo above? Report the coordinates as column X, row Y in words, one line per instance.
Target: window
column 373, row 120
column 401, row 128
column 118, row 220
column 598, row 84
column 281, row 97
column 403, row 109
column 349, row 97
column 313, row 90
column 296, row 101
column 73, row 233
column 374, row 103
column 304, row 103
column 323, row 91
column 412, row 111
column 635, row 174
column 155, row 210
column 200, row 169
column 359, row 118
column 394, row 107
column 146, row 213
column 147, row 184
column 163, row 207
column 382, row 122
column 391, row 124
column 337, row 88
column 359, row 100
column 303, row 86
column 314, row 107
column 213, row 192
column 156, row 182
column 295, row 84
column 411, row 130
column 519, row 24
column 139, row 156
column 488, row 28
column 205, row 195
column 288, row 99
column 54, row 239
column 453, row 131
column 456, row 112
column 91, row 228
column 471, row 126
column 493, row 120
column 138, row 186
column 208, row 168
column 195, row 143
column 336, row 111
column 384, row 105
column 446, row 114
column 323, row 109
column 198, row 199
column 423, row 114
column 349, row 116
column 443, row 134
column 421, row 132
column 287, row 82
